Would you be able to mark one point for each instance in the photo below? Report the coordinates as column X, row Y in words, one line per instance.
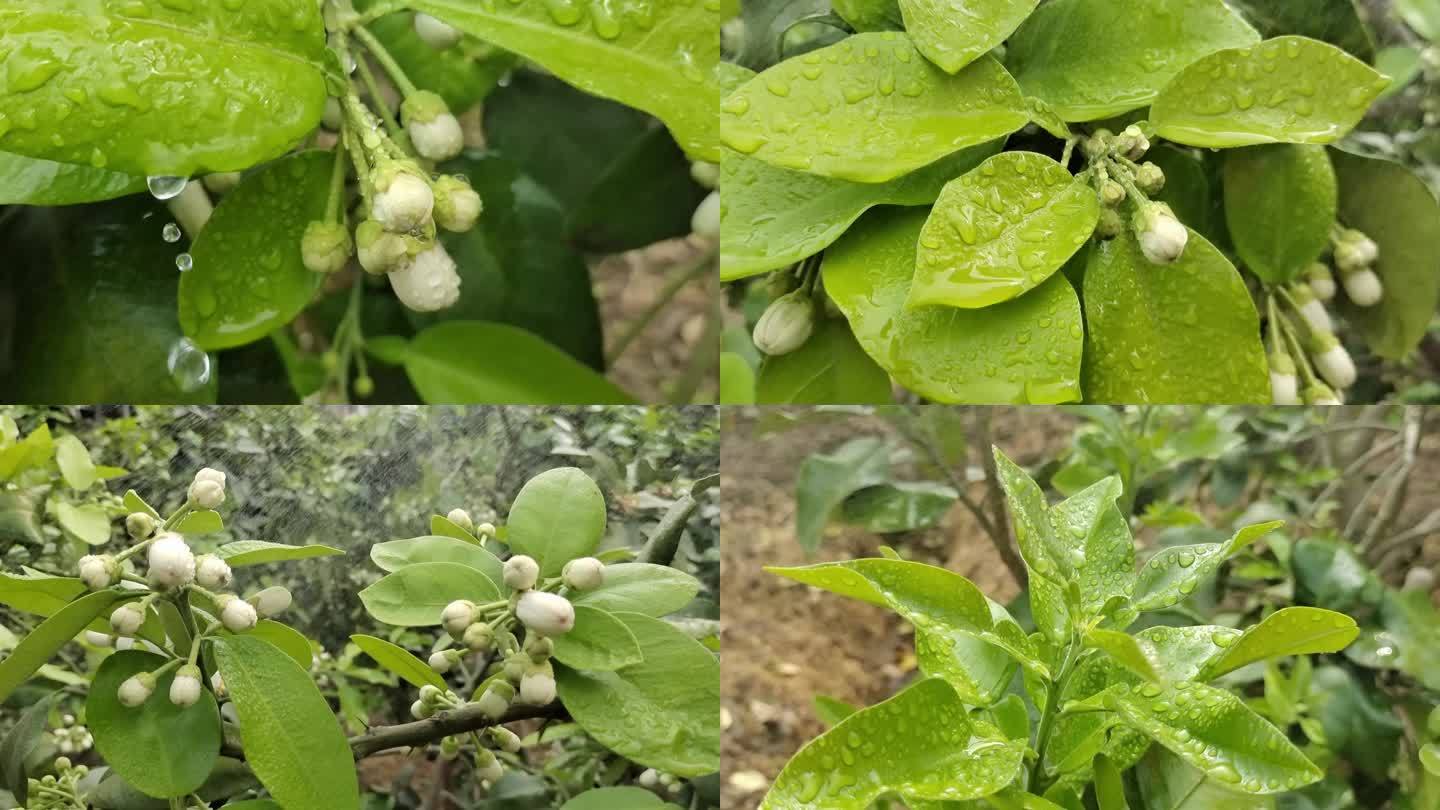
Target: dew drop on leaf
column 165, row 187
column 184, row 262
column 189, row 365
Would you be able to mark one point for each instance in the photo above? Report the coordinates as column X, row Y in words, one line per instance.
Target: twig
column 465, row 719
column 1003, row 539
column 1394, row 498
column 1353, row 468
column 661, row 547
column 925, row 443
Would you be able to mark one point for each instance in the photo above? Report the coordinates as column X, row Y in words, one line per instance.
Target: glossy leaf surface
column 1283, row 90
column 1280, row 202
column 35, row 181
column 654, row 590
column 1186, row 332
column 880, row 107
column 1288, row 631
column 952, row 35
column 257, row 552
column 1092, row 59
column 400, row 661
column 49, row 636
column 1090, row 522
column 598, row 641
column 972, row 255
column 830, row 369
column 396, row 554
column 559, row 515
column 517, row 367
column 1023, row 351
column 1168, row 783
column 1174, row 572
column 415, row 595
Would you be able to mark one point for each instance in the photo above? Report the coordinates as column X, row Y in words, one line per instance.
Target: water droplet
column 1186, row 559
column 189, row 365
column 1223, row 639
column 184, row 261
column 165, row 187
column 171, row 232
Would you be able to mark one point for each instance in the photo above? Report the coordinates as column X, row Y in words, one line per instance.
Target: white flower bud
column 443, row 661
column 495, row 701
column 521, row 571
column 98, row 572
column 403, row 199
column 217, row 683
column 1332, row 361
column 706, row 219
column 1162, row 237
column 649, row 778
column 126, row 619
column 123, row 643
column 379, row 250
column 236, row 614
column 171, row 563
column 457, row 205
column 457, row 616
column 185, row 689
column 98, row 639
column 506, row 739
column 1150, row 178
column 1284, row 389
column 1111, row 224
column 272, row 601
column 1363, row 287
column 427, row 283
column 485, row 530
column 326, row 247
column 221, row 182
column 139, row 525
column 1321, row 282
column 207, row 494
column 1358, row 250
column 545, row 613
column 434, row 131
column 487, row 767
column 210, row 474
column 478, row 637
column 212, row 572
column 136, row 689
column 584, row 574
column 435, row 33
column 537, row 686
column 705, row 173
column 1311, row 310
column 430, row 694
column 421, row 710
column 462, row 519
column 786, row 324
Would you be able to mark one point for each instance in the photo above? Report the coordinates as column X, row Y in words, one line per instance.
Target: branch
column 660, row 548
column 1386, row 513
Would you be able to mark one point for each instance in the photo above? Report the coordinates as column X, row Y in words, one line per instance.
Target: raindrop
column 165, row 187
column 189, row 365
column 184, row 261
column 171, row 232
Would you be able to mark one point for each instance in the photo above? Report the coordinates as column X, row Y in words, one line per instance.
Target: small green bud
column 504, row 738
column 326, row 247
column 1150, row 178
column 449, row 748
column 786, row 324
column 139, row 525
column 1111, row 224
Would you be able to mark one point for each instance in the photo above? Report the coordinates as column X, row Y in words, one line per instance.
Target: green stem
column 375, row 47
column 337, row 185
column 1047, row 720
column 387, row 116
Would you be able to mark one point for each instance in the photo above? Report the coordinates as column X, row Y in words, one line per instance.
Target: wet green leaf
column 1181, row 653
column 1045, row 552
column 49, row 636
column 881, row 109
column 292, row 740
column 1090, row 522
column 1092, row 59
column 660, row 712
column 204, row 521
column 830, row 369
column 462, row 74
column 1402, row 64
column 286, row 639
column 1109, row 785
column 1186, row 332
column 18, row 520
column 653, row 590
column 920, row 743
column 616, row 798
column 89, row 523
column 33, row 181
column 1280, row 202
column 1023, row 351
column 1288, row 631
column 1168, row 783
column 825, row 480
column 248, row 277
column 255, row 552
column 1337, row 22
column 899, row 507
column 659, row 56
column 598, row 642
column 772, row 217
column 952, row 35
column 1174, row 573
column 1214, row 731
column 396, row 554
column 559, row 515
column 870, row 15
column 151, row 89
column 1283, row 90
column 737, row 380
column 400, row 661
column 159, row 748
column 445, row 527
column 415, row 595
column 516, row 368
column 972, row 255
column 74, row 461
column 20, row 742
column 1391, row 205
column 1125, row 650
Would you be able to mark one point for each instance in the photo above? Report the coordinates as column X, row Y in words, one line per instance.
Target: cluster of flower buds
column 786, row 324
column 1120, row 180
column 72, row 738
column 462, row 519
column 1355, row 257
column 651, row 779
column 58, row 791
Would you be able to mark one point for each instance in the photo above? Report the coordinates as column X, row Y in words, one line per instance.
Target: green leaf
column 1109, row 786
column 462, row 74
column 41, row 595
column 826, row 480
column 158, row 93
column 1093, row 59
column 49, row 636
column 516, row 368
column 772, row 217
column 397, row 554
column 444, row 527
column 1271, row 93
column 598, row 642
column 203, row 522
column 1395, row 208
column 1126, row 650
column 89, row 523
column 1098, row 530
column 249, row 278
column 652, row 590
column 559, row 515
column 399, row 661
column 1280, row 203
column 832, row 711
column 1182, row 653
column 158, row 747
column 1168, row 783
column 920, row 743
column 615, row 798
column 1214, row 731
column 830, row 368
column 660, row 712
column 135, row 503
column 1186, row 332
column 899, row 506
column 1337, row 22
column 972, row 256
column 737, row 380
column 1288, row 631
column 19, row 522
column 879, row 107
column 1023, row 351
column 32, row 451
column 1044, row 552
column 20, row 743
column 1422, row 15
column 953, row 35
column 661, row 56
column 291, row 738
column 868, row 15
column 415, row 595
column 1174, row 572
column 1402, row 64
column 257, row 552
column 287, row 639
column 33, row 181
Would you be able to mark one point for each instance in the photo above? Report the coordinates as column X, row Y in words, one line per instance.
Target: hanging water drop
column 189, row 365
column 165, row 187
column 171, row 232
column 184, row 261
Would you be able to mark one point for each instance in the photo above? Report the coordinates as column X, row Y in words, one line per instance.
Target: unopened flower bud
column 1150, row 178
column 648, row 778
column 1098, row 144
column 705, row 173
column 434, row 131
column 786, row 324
column 213, row 572
column 136, row 689
column 537, row 686
column 539, row 648
column 207, row 494
column 442, row 661
column 487, row 767
column 421, row 710
column 403, row 199
column 449, row 748
column 1321, row 394
column 1284, row 386
column 1354, row 250
column 545, row 613
column 1311, row 309
column 457, row 205
column 1132, row 143
column 139, row 525
column 430, row 694
column 326, row 247
column 1162, row 237
column 1112, row 193
column 1111, row 224
column 172, row 565
column 457, row 616
column 98, row 639
column 495, row 700
column 427, row 283
column 478, row 637
column 380, row 251
column 435, row 33
column 1332, row 361
column 236, row 614
column 462, row 519
column 706, row 219
column 126, row 619
column 272, row 601
column 521, row 572
column 1362, row 287
column 584, row 573
column 217, row 683
column 485, row 530
column 1321, row 282
column 221, row 182
column 185, row 689
column 98, row 571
